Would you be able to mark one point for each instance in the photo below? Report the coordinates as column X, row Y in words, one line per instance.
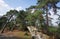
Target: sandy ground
column 13, row 35
column 18, row 35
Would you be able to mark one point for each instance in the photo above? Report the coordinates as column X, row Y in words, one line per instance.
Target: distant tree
column 21, row 19
column 45, row 5
column 58, row 24
column 9, row 15
column 38, row 14
column 2, row 21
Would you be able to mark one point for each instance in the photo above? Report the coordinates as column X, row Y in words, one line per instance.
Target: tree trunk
column 47, row 21
column 6, row 23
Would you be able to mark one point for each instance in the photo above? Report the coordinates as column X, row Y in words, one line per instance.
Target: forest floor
column 18, row 35
column 15, row 35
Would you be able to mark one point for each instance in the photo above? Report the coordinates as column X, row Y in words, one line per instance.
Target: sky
column 6, row 5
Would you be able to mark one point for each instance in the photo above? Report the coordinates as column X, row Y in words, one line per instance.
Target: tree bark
column 47, row 20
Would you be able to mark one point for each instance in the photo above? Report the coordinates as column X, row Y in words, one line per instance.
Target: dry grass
column 16, row 33
column 21, row 34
